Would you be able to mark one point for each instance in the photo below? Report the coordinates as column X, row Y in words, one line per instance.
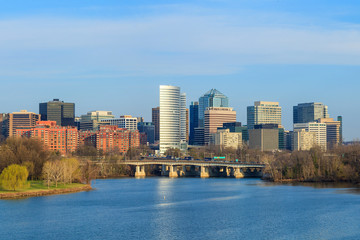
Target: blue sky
column 113, row 55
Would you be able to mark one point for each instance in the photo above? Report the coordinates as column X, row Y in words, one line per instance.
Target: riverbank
column 39, row 189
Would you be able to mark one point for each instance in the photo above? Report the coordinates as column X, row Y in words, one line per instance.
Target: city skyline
column 103, row 56
column 148, row 117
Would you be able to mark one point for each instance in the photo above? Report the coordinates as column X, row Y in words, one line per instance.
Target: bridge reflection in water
column 204, row 169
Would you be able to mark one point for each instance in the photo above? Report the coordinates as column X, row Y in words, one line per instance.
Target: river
column 186, row 208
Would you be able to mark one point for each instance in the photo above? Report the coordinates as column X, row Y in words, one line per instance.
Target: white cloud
column 166, row 45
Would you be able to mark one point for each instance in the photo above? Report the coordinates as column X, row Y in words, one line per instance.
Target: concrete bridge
column 204, row 169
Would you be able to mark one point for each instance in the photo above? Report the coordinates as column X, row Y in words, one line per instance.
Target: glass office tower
column 59, row 111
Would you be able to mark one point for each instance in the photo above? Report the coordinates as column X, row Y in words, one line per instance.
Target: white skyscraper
column 183, row 116
column 172, row 117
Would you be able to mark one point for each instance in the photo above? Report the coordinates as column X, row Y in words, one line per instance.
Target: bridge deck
column 192, row 163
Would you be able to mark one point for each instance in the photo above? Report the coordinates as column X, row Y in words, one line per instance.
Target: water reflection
column 318, row 185
column 192, row 209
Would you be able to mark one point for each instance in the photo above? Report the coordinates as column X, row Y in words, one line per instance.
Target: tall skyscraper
column 215, row 117
column 156, row 122
column 172, row 118
column 194, row 120
column 183, row 116
column 212, row 98
column 59, row 111
column 309, row 112
column 263, row 113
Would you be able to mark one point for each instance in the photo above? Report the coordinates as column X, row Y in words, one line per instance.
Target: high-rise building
column 172, row 118
column 92, row 119
column 333, row 129
column 199, row 136
column 318, row 128
column 156, row 122
column 194, row 120
column 263, row 113
column 301, row 140
column 340, row 119
column 215, row 117
column 19, row 120
column 212, row 98
column 187, row 125
column 59, row 111
column 264, row 137
column 149, row 129
column 309, row 112
column 183, row 133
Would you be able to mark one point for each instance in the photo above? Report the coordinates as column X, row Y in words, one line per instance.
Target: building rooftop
column 214, row 93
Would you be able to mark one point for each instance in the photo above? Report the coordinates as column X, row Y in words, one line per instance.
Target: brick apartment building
column 67, row 139
column 54, row 138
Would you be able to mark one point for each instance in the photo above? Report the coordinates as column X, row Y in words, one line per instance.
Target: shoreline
column 47, row 192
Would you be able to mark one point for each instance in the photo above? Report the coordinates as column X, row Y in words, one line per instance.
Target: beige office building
column 332, row 131
column 226, row 139
column 303, row 140
column 263, row 113
column 318, row 128
column 215, row 117
column 20, row 120
column 92, row 119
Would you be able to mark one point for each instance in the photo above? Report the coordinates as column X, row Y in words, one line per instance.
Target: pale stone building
column 303, row 140
column 318, row 128
column 226, row 139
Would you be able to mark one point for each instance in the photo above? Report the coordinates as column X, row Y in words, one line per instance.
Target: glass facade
column 59, row 111
column 309, row 112
column 212, row 98
column 263, row 113
column 194, row 120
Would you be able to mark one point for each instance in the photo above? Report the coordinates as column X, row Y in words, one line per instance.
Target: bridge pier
column 164, row 170
column 238, row 173
column 204, row 172
column 140, row 171
column 228, row 172
column 173, row 171
column 183, row 171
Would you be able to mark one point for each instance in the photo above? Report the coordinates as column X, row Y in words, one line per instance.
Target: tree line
column 339, row 164
column 23, row 159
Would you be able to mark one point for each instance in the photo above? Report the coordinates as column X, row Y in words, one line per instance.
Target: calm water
column 186, row 208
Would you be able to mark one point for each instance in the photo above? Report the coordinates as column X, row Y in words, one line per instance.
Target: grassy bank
column 38, row 188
